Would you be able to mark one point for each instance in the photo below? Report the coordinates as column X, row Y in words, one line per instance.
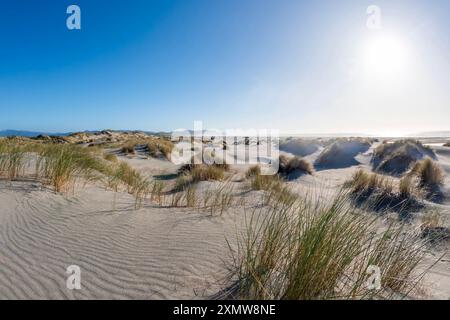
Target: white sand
column 151, row 253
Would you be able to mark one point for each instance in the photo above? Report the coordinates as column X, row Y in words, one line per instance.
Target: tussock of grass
column 158, row 147
column 276, row 192
column 315, row 250
column 429, row 172
column 110, row 157
column 253, row 171
column 63, row 165
column 447, row 144
column 433, row 229
column 430, row 178
column 294, row 165
column 12, row 160
column 129, row 147
column 266, row 182
column 134, row 183
column 206, row 173
column 193, row 173
column 382, row 193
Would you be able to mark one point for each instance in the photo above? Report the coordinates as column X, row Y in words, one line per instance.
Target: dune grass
column 294, row 164
column 12, row 160
column 129, row 147
column 110, row 157
column 62, row 165
column 316, row 250
column 192, row 173
column 253, row 171
column 157, row 147
column 383, row 193
column 430, row 174
column 447, row 144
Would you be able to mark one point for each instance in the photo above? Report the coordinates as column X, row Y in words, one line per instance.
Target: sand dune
column 154, row 252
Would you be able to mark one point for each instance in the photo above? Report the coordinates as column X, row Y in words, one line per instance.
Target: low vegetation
column 294, row 166
column 129, row 147
column 275, row 191
column 383, row 193
column 110, row 157
column 12, row 160
column 159, row 147
column 447, row 144
column 62, row 166
column 155, row 147
column 433, row 229
column 430, row 174
column 193, row 173
column 253, row 171
column 315, row 250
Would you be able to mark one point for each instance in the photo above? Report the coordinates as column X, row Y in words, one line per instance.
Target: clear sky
column 297, row 66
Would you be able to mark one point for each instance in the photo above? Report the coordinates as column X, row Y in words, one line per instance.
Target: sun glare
column 386, row 55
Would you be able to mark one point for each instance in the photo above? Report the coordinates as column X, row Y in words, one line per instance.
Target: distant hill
column 32, row 134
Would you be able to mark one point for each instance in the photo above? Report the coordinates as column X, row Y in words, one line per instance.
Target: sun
column 386, row 55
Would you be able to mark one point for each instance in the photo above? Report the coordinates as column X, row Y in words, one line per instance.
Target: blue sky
column 159, row 65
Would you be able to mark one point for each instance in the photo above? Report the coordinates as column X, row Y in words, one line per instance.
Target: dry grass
column 63, row 165
column 157, row 147
column 110, row 157
column 193, row 173
column 276, row 192
column 129, row 147
column 253, row 171
column 430, row 174
column 383, row 193
column 315, row 250
column 291, row 165
column 12, row 160
column 266, row 182
column 431, row 219
column 432, row 227
column 447, row 144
